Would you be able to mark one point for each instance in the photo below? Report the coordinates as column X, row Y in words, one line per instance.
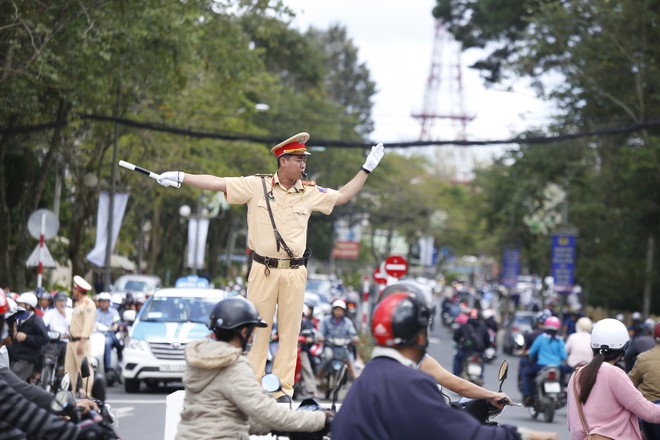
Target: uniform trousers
column 72, row 366
column 284, row 288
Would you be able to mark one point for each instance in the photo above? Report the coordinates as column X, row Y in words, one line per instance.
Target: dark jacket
column 22, row 419
column 390, row 401
column 472, row 336
column 37, row 336
column 638, row 346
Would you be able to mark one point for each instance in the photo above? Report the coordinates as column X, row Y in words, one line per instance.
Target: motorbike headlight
column 520, row 340
column 138, row 345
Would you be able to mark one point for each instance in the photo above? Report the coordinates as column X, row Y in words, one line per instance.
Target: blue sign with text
column 510, row 267
column 563, row 262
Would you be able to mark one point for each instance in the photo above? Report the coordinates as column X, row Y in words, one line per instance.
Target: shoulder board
column 264, row 175
column 309, row 182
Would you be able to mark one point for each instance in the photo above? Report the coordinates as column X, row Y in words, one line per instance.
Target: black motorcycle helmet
column 398, row 319
column 230, row 315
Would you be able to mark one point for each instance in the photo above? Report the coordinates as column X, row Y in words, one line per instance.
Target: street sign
column 379, row 276
column 510, row 267
column 349, row 250
column 395, row 266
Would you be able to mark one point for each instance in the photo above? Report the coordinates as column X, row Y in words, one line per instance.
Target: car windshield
column 136, row 286
column 178, row 309
column 527, row 320
column 319, row 286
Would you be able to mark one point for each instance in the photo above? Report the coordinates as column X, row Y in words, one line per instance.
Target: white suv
column 171, row 318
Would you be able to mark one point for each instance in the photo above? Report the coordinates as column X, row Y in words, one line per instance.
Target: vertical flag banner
column 97, row 255
column 563, row 261
column 197, row 231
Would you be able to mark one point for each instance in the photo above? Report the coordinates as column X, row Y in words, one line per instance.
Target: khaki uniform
column 81, row 328
column 282, row 287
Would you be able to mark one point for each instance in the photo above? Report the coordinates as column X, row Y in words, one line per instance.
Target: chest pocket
column 298, row 218
column 262, row 215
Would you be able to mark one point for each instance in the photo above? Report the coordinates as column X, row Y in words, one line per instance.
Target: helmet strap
column 246, row 339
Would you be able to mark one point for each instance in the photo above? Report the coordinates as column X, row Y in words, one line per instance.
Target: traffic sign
column 379, row 276
column 395, row 266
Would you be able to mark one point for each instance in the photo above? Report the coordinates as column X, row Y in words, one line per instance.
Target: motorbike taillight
column 552, row 375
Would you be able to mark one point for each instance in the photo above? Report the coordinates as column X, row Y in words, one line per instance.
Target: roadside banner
column 510, row 267
column 563, row 261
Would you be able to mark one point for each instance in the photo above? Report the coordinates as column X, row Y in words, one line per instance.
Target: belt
column 72, row 339
column 279, row 263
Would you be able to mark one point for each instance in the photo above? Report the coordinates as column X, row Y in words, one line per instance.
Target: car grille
column 168, row 351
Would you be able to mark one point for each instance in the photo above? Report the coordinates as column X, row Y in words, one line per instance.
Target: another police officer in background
column 82, row 327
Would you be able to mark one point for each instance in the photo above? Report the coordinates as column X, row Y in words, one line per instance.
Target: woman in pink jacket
column 610, row 402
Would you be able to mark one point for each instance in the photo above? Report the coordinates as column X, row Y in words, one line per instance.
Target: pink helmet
column 552, row 323
column 461, row 319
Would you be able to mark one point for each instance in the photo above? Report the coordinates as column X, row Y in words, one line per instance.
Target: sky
column 395, row 38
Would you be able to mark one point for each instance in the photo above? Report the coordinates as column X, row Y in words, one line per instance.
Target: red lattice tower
column 445, row 83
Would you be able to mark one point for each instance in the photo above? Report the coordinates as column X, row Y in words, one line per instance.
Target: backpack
column 471, row 341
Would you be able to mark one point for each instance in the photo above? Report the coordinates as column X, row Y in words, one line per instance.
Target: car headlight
column 138, row 345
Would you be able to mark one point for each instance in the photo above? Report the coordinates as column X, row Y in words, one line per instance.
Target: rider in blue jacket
column 392, row 399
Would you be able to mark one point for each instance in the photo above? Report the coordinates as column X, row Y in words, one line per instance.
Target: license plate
column 173, row 367
column 551, row 387
column 474, row 370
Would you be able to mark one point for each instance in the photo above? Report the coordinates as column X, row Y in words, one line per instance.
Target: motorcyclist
column 645, row 376
column 24, row 408
column 337, row 326
column 58, row 319
column 471, row 338
column 307, row 331
column 109, row 319
column 223, row 399
column 45, row 302
column 529, row 340
column 642, row 341
column 31, row 335
column 547, row 350
column 392, row 400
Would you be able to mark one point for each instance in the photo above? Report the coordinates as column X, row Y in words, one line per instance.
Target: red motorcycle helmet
column 656, row 331
column 398, row 319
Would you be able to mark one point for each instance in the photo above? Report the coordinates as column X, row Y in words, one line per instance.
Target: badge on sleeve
column 322, row 189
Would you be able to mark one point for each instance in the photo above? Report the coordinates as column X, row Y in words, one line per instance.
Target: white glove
column 171, row 178
column 374, row 158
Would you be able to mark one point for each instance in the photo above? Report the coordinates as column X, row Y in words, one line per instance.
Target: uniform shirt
column 83, row 319
column 108, row 317
column 391, row 400
column 550, row 351
column 58, row 323
column 291, row 211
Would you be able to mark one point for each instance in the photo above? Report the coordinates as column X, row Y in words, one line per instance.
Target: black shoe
column 528, row 400
column 284, row 398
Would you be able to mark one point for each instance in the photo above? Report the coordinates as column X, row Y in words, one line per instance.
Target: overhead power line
column 271, row 140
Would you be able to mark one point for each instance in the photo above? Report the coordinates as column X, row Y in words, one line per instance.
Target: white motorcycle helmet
column 27, row 298
column 609, row 334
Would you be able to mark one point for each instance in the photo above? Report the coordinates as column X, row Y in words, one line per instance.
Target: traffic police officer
column 80, row 330
column 279, row 207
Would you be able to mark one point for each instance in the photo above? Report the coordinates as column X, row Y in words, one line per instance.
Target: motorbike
column 473, row 368
column 490, row 353
column 98, row 351
column 482, row 409
column 339, row 348
column 271, row 384
column 52, row 370
column 64, row 403
column 549, row 395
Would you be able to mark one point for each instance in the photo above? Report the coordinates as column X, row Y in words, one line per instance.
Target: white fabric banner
column 196, row 242
column 97, row 255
